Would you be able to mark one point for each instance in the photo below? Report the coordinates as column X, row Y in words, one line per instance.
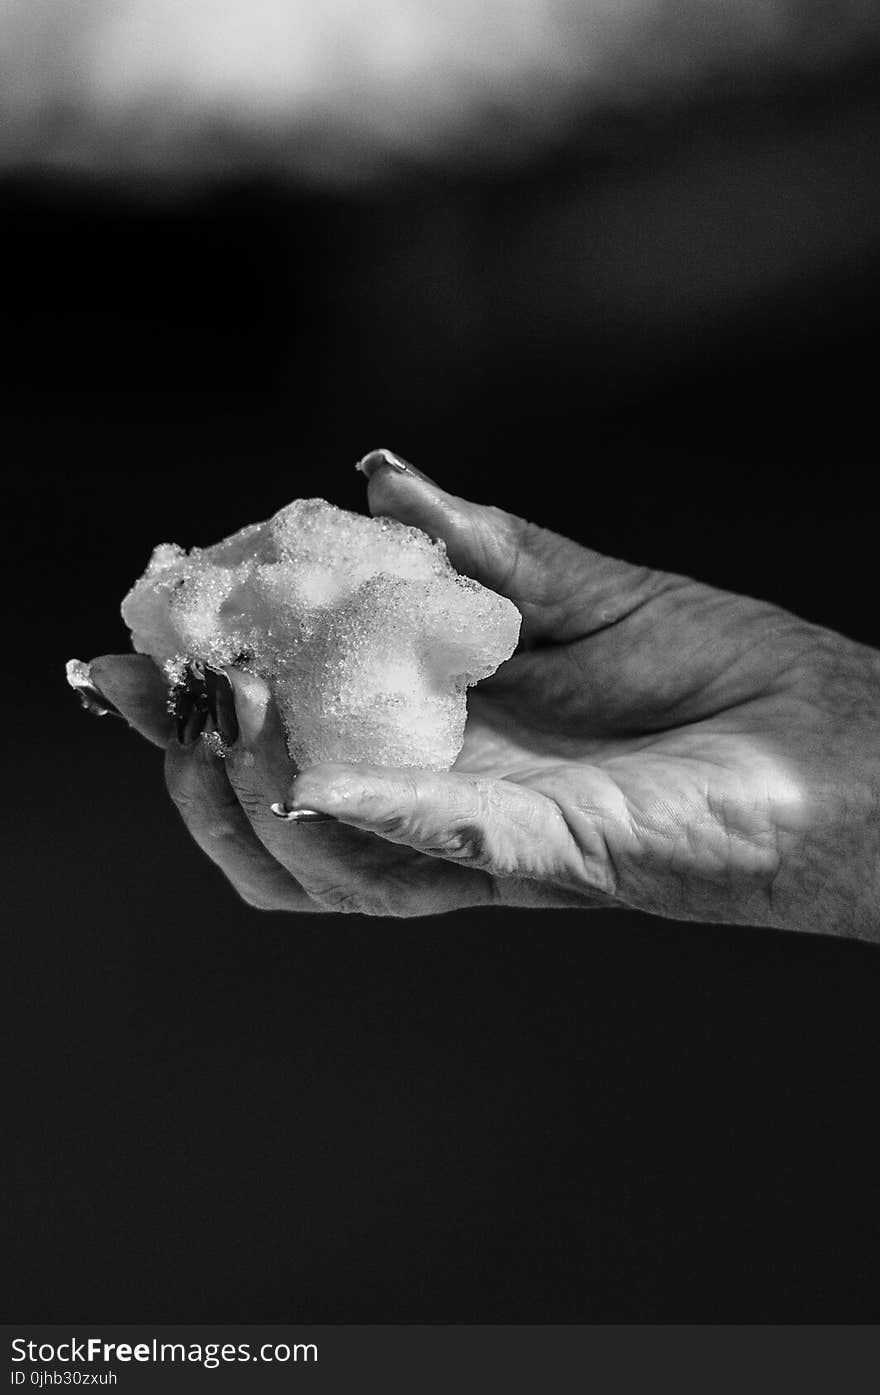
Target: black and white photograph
column 443, row 658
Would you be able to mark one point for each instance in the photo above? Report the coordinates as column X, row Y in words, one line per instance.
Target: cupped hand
column 653, row 743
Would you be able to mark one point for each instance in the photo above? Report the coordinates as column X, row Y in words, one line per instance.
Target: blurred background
column 614, row 266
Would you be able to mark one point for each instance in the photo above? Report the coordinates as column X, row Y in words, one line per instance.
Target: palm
column 688, row 741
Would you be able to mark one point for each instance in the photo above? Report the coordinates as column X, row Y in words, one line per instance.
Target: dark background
column 659, row 340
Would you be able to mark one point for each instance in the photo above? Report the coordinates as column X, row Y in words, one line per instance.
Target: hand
column 653, row 743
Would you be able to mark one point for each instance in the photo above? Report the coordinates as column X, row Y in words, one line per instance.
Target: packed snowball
column 365, row 633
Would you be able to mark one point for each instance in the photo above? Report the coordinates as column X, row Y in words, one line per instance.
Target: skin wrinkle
column 694, row 840
column 528, row 546
column 676, row 713
column 520, row 558
column 614, row 878
column 592, row 820
column 480, row 829
column 773, row 880
column 579, row 658
column 653, row 584
column 470, row 841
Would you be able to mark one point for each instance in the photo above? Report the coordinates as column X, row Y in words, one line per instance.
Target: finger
column 198, row 785
column 506, row 830
column 139, row 690
column 327, row 861
column 563, row 590
column 259, row 770
column 343, row 868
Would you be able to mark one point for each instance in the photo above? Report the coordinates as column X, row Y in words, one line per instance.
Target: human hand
column 654, row 743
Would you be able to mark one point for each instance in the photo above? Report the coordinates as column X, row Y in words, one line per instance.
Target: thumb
column 563, row 590
column 495, row 826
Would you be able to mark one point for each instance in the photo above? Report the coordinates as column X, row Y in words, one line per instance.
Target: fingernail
column 284, row 811
column 369, row 464
column 189, row 706
column 221, row 704
column 190, row 724
column 79, row 676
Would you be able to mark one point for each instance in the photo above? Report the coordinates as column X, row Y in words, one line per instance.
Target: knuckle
column 221, row 829
column 346, row 900
column 467, row 844
column 513, row 538
column 254, row 802
column 397, row 827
